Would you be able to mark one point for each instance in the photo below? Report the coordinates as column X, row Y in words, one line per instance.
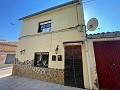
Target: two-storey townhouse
column 51, row 46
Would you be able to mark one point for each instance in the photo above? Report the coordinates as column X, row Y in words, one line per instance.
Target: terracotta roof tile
column 9, row 42
column 104, row 35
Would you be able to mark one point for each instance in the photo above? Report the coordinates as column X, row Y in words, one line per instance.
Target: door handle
column 113, row 64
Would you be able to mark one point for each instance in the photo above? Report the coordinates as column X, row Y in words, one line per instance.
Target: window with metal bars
column 44, row 27
column 41, row 59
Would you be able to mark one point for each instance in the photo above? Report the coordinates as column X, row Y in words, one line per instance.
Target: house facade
column 51, row 46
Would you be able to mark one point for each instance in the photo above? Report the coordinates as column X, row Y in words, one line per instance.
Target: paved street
column 5, row 71
column 3, row 65
column 8, row 82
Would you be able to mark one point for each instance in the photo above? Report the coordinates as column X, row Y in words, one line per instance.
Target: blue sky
column 106, row 11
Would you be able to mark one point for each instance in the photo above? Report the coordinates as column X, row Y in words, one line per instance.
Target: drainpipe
column 85, row 42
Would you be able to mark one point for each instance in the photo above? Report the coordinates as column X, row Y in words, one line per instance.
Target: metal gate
column 107, row 56
column 73, row 74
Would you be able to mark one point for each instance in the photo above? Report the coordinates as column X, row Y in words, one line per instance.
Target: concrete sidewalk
column 5, row 71
column 22, row 83
column 3, row 65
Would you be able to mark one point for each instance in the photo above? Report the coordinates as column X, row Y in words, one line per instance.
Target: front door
column 107, row 56
column 73, row 74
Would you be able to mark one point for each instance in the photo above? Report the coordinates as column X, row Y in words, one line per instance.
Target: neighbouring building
column 7, row 52
column 104, row 57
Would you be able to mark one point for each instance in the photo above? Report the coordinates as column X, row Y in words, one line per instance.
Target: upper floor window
column 44, row 27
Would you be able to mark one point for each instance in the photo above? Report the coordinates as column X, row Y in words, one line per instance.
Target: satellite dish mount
column 92, row 24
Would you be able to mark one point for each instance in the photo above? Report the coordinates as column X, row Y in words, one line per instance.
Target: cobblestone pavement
column 8, row 82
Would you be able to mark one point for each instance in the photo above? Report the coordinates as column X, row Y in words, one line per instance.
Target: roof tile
column 104, row 35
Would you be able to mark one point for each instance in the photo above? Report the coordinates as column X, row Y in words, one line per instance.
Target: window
column 44, row 27
column 41, row 59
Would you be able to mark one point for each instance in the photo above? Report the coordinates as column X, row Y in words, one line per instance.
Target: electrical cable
column 88, row 1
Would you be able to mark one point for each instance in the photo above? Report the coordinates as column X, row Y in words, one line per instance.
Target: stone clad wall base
column 44, row 74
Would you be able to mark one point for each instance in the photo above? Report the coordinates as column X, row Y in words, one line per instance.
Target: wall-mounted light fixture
column 57, row 48
column 22, row 51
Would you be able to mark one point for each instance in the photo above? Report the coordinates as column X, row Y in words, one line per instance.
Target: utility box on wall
column 59, row 57
column 53, row 58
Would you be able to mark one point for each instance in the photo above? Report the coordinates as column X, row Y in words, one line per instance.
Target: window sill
column 40, row 67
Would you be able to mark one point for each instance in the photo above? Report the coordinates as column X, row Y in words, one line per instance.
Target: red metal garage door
column 107, row 56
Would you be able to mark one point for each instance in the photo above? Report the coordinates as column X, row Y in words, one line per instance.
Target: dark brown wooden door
column 107, row 56
column 73, row 75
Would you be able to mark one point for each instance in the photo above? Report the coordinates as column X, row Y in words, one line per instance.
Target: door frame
column 85, row 80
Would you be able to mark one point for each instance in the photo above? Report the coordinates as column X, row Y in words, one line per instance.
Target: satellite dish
column 92, row 24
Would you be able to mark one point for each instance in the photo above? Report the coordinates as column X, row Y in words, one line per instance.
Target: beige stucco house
column 51, row 46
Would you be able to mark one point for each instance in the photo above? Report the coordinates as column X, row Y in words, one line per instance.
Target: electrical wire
column 88, row 1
